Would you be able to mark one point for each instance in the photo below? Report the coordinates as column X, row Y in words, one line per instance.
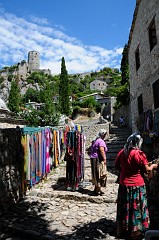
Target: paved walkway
column 49, row 211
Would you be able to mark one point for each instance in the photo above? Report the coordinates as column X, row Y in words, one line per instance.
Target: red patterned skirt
column 132, row 210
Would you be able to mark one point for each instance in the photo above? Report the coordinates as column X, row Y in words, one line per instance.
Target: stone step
column 122, row 133
column 114, row 138
column 114, row 147
column 115, row 143
column 116, row 131
column 113, row 152
column 112, row 155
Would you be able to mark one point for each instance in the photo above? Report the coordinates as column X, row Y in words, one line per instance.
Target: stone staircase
column 115, row 142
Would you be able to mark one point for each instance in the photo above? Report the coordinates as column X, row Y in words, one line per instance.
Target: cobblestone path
column 49, row 211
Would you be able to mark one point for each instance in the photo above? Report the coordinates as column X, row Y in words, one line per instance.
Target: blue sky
column 89, row 34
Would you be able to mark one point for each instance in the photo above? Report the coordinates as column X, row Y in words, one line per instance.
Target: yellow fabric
column 24, row 168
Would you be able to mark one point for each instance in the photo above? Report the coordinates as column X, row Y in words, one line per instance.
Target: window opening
column 137, row 58
column 152, row 34
column 140, row 104
column 156, row 93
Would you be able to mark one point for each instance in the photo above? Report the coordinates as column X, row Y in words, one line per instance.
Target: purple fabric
column 95, row 147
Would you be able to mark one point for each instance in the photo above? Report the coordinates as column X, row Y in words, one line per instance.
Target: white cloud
column 19, row 36
column 39, row 20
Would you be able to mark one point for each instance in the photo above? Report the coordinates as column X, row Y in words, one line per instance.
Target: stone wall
column 91, row 131
column 11, row 123
column 124, row 111
column 11, row 161
column 141, row 80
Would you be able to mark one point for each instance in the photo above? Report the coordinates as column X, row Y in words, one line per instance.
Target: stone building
column 143, row 55
column 33, row 60
column 98, row 85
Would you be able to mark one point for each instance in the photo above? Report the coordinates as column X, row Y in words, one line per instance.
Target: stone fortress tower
column 25, row 68
column 21, row 72
column 33, row 60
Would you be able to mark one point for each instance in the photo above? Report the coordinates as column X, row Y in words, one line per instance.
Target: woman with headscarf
column 132, row 209
column 98, row 162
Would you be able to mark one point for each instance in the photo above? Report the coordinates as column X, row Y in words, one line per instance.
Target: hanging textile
column 74, row 158
column 42, row 151
column 148, row 121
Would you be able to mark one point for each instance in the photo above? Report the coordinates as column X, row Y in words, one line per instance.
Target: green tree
column 89, row 103
column 31, row 95
column 124, row 66
column 64, row 103
column 14, row 99
column 32, row 117
column 48, row 115
column 123, row 95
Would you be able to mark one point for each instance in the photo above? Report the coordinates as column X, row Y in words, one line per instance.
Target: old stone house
column 143, row 55
column 98, row 85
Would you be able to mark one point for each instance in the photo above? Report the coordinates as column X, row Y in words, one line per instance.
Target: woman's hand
column 155, row 165
column 151, row 167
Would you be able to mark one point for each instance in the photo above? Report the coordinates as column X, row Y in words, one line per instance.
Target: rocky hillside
column 79, row 83
column 24, row 85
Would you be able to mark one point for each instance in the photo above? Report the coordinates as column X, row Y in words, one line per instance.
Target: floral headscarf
column 133, row 141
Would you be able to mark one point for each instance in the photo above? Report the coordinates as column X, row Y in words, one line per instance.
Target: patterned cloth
column 132, row 210
column 99, row 172
column 42, row 147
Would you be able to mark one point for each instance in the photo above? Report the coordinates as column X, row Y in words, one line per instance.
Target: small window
column 152, row 34
column 140, row 104
column 156, row 93
column 137, row 58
